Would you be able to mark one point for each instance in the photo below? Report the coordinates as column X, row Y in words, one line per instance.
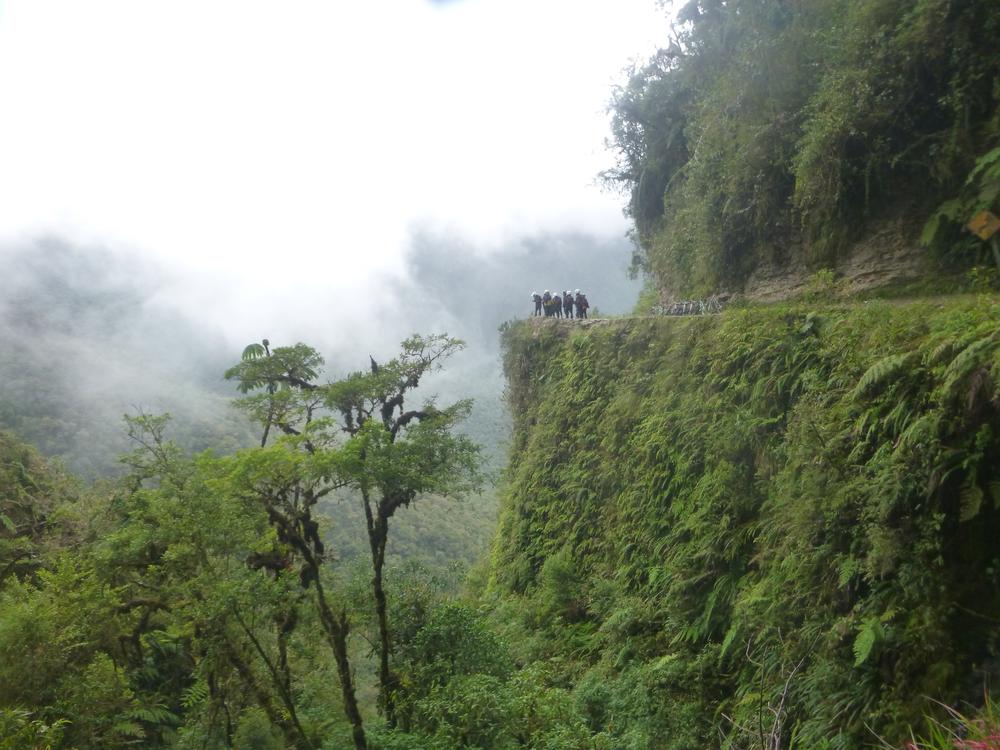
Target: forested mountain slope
column 775, row 527
column 85, row 342
column 778, row 522
column 774, row 138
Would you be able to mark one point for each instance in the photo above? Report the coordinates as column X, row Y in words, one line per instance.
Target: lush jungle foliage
column 775, row 528
column 199, row 601
column 194, row 603
column 773, row 129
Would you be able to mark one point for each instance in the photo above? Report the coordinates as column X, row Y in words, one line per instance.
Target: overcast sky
column 273, row 153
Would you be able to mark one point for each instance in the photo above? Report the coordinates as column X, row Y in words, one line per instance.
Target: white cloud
column 273, row 151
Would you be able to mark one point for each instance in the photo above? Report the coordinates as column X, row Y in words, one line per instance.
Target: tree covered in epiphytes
column 359, row 433
column 771, row 130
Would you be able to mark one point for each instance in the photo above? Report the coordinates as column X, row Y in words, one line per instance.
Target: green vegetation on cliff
column 774, row 130
column 773, row 527
column 779, row 522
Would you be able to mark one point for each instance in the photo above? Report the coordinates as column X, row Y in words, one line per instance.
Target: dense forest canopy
column 217, row 566
column 779, row 130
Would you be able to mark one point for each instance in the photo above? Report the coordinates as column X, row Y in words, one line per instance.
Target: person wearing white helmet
column 567, row 305
column 537, row 299
column 581, row 304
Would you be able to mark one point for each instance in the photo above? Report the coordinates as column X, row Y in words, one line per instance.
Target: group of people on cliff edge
column 558, row 305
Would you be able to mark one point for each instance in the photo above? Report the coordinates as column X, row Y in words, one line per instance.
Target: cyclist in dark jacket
column 567, row 305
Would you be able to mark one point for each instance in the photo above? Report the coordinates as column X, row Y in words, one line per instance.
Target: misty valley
column 353, row 397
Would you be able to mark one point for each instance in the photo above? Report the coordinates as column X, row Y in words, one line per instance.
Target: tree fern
column 882, row 371
column 973, row 356
column 195, row 695
column 129, row 729
column 971, row 500
column 864, row 642
column 253, row 351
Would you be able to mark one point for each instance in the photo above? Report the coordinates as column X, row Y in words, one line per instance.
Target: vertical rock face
column 888, row 255
column 789, row 502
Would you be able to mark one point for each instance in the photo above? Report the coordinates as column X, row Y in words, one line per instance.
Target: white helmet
column 577, row 291
column 547, row 291
column 534, row 294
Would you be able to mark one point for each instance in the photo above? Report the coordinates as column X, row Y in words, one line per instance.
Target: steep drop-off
column 774, row 527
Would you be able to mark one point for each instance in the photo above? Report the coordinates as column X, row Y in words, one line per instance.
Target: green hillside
column 775, row 521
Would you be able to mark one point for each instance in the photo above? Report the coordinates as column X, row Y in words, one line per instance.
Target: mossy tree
column 354, row 433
